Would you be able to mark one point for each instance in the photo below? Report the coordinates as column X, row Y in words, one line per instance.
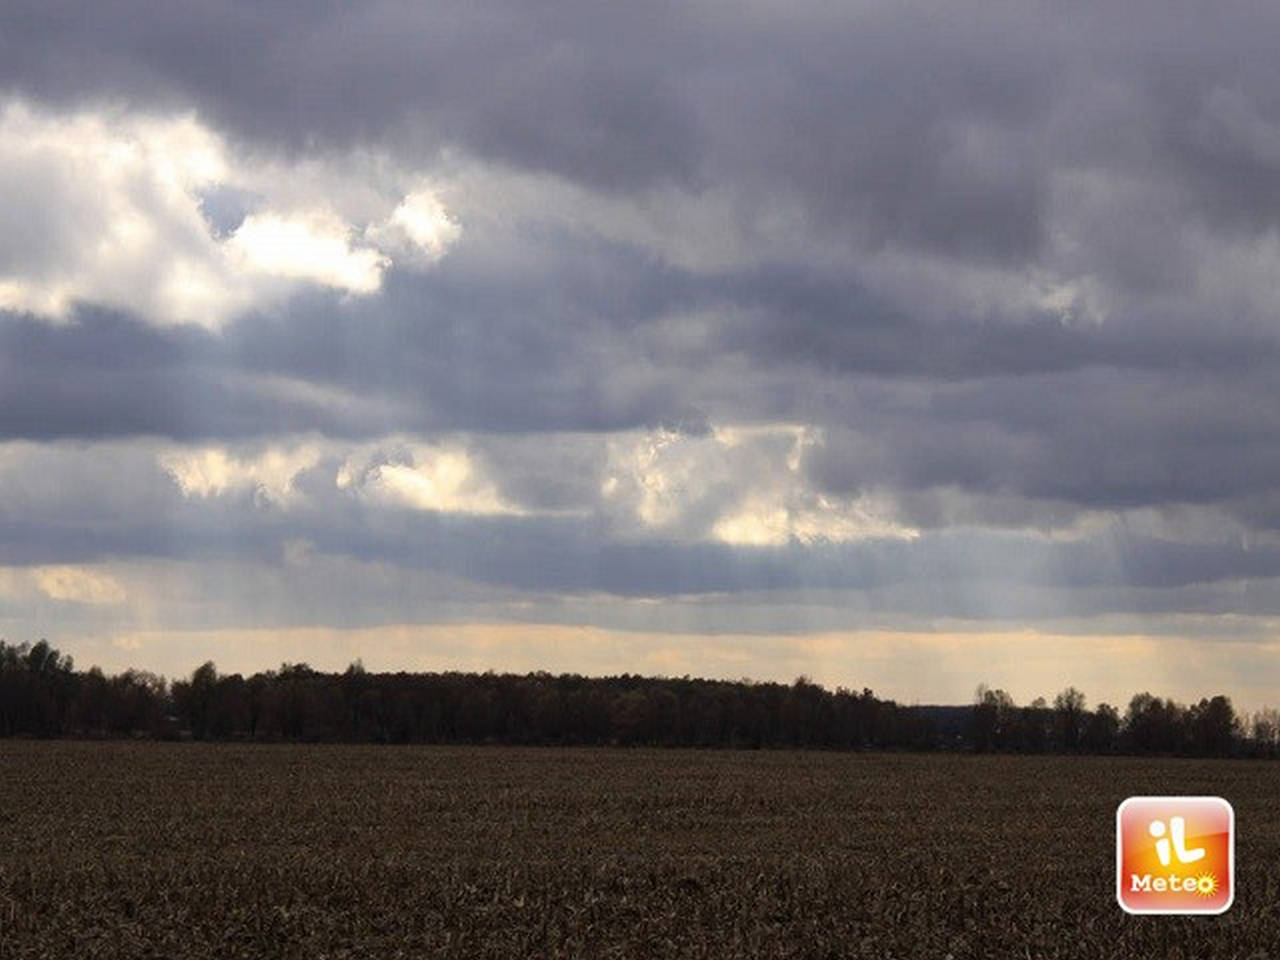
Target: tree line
column 42, row 694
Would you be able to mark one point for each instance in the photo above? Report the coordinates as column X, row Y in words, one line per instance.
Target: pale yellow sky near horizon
column 909, row 667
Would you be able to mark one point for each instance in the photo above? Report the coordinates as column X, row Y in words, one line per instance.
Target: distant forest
column 43, row 695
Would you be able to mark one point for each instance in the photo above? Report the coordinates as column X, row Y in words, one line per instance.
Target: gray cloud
column 70, row 504
column 1014, row 268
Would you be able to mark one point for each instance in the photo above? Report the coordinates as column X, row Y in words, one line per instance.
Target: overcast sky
column 904, row 345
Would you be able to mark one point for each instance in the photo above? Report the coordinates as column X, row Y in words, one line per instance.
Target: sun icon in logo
column 1206, row 884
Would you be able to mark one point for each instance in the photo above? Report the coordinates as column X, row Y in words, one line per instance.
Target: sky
column 906, row 345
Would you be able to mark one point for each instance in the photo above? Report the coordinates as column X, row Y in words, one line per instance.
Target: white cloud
column 77, row 584
column 314, row 246
column 783, row 515
column 419, row 228
column 101, row 208
column 212, row 471
column 422, row 476
column 658, row 475
column 743, row 485
column 69, row 583
column 106, row 208
column 394, row 472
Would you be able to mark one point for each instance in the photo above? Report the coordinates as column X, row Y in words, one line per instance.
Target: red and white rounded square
column 1175, row 855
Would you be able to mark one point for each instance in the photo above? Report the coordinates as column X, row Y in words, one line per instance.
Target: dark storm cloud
column 926, row 127
column 835, row 324
column 545, row 86
column 463, row 348
column 919, row 133
column 583, row 349
column 1102, row 438
column 112, row 376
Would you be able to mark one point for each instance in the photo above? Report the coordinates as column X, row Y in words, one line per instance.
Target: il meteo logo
column 1175, row 855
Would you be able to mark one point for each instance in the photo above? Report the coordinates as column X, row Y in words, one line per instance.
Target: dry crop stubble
column 257, row 850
